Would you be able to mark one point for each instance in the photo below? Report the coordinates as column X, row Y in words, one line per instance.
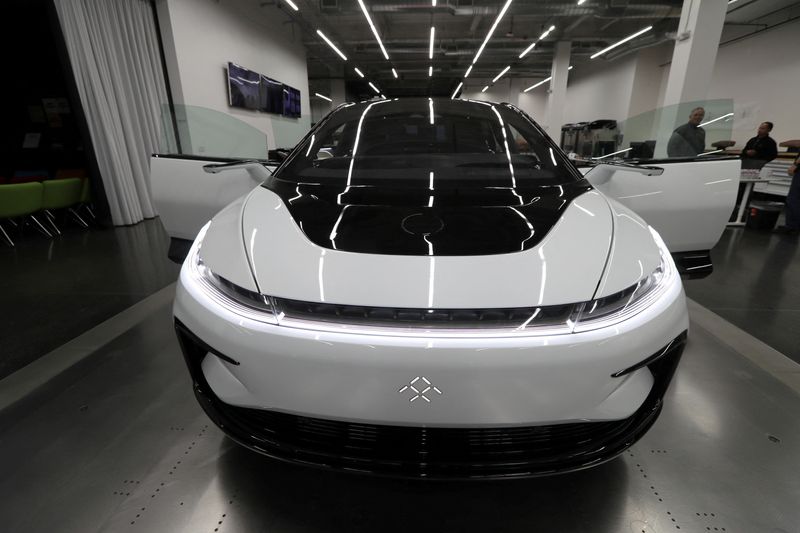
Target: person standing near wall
column 690, row 139
column 792, row 226
column 761, row 149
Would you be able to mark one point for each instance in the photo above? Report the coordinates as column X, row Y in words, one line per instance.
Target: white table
column 745, row 202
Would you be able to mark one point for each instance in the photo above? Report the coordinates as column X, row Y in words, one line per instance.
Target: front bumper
column 431, row 452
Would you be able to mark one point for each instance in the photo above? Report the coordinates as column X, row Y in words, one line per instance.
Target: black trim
column 666, row 160
column 178, row 249
column 430, row 452
column 680, row 339
column 694, row 265
column 196, row 347
column 210, row 159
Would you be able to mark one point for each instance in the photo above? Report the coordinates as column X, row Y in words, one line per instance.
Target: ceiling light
column 468, row 71
column 491, row 31
column 501, row 74
column 716, row 119
column 394, row 73
column 525, row 52
column 430, row 71
column 582, row 1
column 537, row 84
column 546, row 32
column 358, row 72
column 485, row 89
column 433, row 3
column 729, row 1
column 332, row 45
column 570, row 67
column 430, row 106
column 625, row 40
column 293, row 5
column 457, row 89
column 323, row 97
column 430, row 49
column 374, row 88
column 372, row 26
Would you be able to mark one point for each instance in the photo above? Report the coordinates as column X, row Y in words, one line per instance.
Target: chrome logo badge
column 420, row 386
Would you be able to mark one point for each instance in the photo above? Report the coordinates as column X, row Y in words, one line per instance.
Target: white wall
column 762, row 75
column 200, row 37
column 600, row 91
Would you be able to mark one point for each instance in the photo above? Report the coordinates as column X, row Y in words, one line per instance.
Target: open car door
column 188, row 191
column 688, row 201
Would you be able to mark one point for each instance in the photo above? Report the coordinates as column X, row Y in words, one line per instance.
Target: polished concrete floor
column 122, row 446
column 755, row 286
column 55, row 289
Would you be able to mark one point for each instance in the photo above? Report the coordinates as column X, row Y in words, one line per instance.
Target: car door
column 689, row 202
column 189, row 190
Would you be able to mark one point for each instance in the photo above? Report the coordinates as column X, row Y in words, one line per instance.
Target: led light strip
column 535, row 85
column 394, row 73
column 460, row 85
column 324, row 98
column 361, row 74
column 716, row 119
column 430, row 47
column 542, row 36
column 374, row 30
column 501, row 74
column 491, row 31
column 292, row 4
column 377, row 91
column 623, row 41
column 324, row 38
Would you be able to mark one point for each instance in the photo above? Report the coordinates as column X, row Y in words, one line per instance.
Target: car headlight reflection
column 229, row 295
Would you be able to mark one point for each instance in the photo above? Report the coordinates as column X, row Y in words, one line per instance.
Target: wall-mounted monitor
column 291, row 101
column 271, row 96
column 243, row 87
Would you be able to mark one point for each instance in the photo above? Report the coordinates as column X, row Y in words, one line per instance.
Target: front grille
column 403, row 317
column 430, row 452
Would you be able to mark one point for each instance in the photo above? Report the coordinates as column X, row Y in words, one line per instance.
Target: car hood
column 564, row 267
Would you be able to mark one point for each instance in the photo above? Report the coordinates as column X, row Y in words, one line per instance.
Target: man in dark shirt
column 690, row 139
column 761, row 149
column 792, row 226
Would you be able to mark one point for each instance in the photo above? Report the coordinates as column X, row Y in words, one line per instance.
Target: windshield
column 427, row 143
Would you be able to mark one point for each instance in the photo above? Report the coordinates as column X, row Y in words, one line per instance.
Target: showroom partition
column 114, row 53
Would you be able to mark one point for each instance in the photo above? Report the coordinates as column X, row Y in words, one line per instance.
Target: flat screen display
column 271, row 96
column 243, row 87
column 291, row 101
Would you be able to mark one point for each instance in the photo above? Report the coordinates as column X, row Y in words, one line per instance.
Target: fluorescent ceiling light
column 430, row 49
column 485, row 89
column 491, row 31
column 537, row 84
column 323, row 97
column 729, row 1
column 430, row 71
column 394, row 73
column 433, row 3
column 501, row 74
column 570, row 67
column 623, row 41
column 332, row 45
column 358, row 72
column 468, row 71
column 546, row 32
column 525, row 52
column 430, row 106
column 461, row 84
column 372, row 26
column 374, row 88
column 293, row 5
column 716, row 119
column 582, row 1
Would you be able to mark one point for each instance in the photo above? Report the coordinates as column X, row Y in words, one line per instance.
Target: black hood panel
column 413, row 221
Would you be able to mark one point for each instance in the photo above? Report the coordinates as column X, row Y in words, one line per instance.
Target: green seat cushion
column 20, row 199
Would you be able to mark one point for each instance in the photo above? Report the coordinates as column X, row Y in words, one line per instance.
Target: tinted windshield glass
column 416, row 142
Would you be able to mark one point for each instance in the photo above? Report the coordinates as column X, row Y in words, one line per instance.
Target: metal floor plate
column 124, row 448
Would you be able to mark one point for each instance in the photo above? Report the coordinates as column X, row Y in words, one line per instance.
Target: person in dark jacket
column 792, row 226
column 761, row 149
column 690, row 139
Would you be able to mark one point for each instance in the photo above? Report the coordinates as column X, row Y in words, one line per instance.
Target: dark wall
column 33, row 78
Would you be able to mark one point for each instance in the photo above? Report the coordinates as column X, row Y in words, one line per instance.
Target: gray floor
column 118, row 443
column 55, row 289
column 756, row 286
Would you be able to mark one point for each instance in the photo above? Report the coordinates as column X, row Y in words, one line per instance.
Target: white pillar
column 693, row 57
column 557, row 96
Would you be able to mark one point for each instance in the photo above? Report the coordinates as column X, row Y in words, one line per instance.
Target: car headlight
column 630, row 301
column 226, row 293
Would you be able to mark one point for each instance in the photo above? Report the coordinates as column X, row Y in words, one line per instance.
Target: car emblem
column 420, row 386
column 422, row 224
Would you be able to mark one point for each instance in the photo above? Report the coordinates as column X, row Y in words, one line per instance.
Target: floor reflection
column 283, row 497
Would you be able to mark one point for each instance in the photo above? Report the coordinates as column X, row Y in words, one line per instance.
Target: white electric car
column 430, row 288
